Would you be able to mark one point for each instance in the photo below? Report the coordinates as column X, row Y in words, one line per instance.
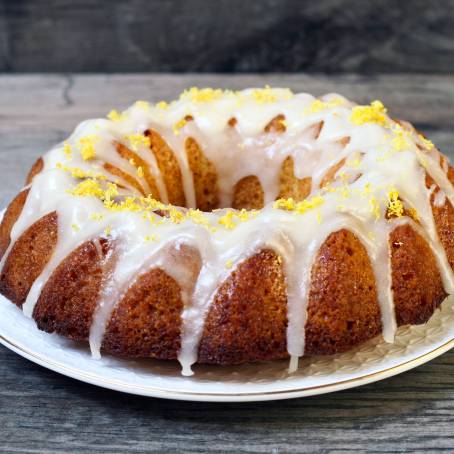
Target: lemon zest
column 373, row 113
column 137, row 140
column 395, row 205
column 87, row 147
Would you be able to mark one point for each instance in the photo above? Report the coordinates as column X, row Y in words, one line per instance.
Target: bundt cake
column 229, row 227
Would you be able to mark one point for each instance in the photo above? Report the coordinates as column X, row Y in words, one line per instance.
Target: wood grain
column 41, row 411
column 385, row 36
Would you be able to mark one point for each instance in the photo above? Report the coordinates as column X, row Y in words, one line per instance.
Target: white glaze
column 314, row 138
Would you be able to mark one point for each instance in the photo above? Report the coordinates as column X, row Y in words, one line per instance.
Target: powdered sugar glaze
column 378, row 178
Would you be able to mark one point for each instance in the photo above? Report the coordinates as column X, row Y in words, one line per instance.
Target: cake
column 230, row 227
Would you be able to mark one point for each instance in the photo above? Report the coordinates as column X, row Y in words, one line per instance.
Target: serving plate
column 372, row 361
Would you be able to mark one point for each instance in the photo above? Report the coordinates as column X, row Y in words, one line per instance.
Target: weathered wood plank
column 227, row 35
column 41, row 411
column 45, row 412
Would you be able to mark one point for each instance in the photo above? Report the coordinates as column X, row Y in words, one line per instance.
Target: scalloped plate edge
column 178, row 394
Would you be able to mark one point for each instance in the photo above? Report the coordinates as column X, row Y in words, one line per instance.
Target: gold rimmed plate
column 373, row 361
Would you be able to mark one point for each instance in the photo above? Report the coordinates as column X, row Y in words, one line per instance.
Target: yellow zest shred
column 243, row 215
column 67, row 150
column 107, row 193
column 264, row 95
column 399, row 142
column 77, row 172
column 87, row 146
column 177, row 126
column 309, row 204
column 195, row 94
column 162, row 105
column 142, row 105
column 229, row 264
column 318, row 105
column 400, row 138
column 114, row 115
column 395, row 205
column 227, row 220
column 137, row 140
column 140, row 172
column 197, row 217
column 374, row 113
column 299, row 207
column 231, row 218
column 87, row 188
column 426, row 143
column 284, row 204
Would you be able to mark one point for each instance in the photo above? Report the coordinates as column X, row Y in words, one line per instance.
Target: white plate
column 371, row 362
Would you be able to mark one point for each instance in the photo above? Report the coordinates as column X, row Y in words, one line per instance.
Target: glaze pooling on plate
column 379, row 184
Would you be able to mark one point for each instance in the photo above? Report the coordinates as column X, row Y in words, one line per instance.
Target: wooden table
column 41, row 411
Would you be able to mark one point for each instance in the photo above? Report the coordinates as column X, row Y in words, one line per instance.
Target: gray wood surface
column 227, row 35
column 41, row 411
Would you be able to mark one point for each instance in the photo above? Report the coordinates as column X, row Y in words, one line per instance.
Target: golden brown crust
column 27, row 258
column 168, row 165
column 10, row 217
column 444, row 218
column 330, row 175
column 248, row 318
column 146, row 323
column 290, row 186
column 342, row 309
column 248, row 194
column 204, row 176
column 125, row 176
column 277, row 124
column 69, row 298
column 128, row 154
column 36, row 168
column 416, row 282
